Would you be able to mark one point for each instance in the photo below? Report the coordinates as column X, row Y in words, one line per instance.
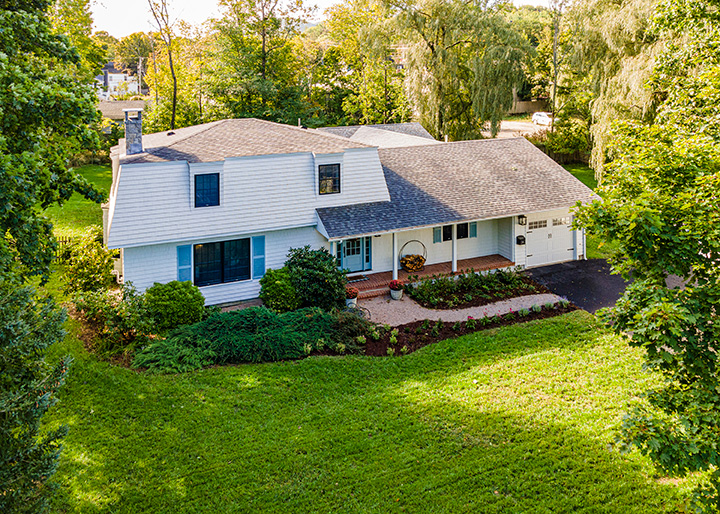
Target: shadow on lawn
column 356, row 434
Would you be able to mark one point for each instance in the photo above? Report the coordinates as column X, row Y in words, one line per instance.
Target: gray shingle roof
column 411, row 129
column 462, row 181
column 235, row 138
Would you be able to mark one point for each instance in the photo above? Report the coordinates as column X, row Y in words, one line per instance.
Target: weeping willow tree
column 463, row 61
column 616, row 48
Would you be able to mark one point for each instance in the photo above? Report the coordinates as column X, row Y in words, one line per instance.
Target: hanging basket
column 413, row 262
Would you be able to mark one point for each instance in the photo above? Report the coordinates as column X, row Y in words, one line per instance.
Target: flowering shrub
column 396, row 285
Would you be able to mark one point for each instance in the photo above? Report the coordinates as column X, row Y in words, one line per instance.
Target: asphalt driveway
column 588, row 284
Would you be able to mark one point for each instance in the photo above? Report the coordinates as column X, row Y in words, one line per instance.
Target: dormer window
column 328, row 179
column 207, row 190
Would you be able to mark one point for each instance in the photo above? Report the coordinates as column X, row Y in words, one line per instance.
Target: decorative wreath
column 413, row 262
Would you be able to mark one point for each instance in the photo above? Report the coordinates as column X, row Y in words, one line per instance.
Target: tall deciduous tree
column 133, row 52
column 370, row 57
column 189, row 53
column 615, row 48
column 74, row 19
column 661, row 203
column 46, row 118
column 255, row 66
column 463, row 63
column 161, row 14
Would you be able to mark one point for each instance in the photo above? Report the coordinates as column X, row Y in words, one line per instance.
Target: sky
column 123, row 17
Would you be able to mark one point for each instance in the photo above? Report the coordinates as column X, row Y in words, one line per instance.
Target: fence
column 63, row 245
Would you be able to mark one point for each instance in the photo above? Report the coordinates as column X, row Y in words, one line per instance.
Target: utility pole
column 140, row 74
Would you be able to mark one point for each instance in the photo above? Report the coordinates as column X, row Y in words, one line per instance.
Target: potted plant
column 351, row 294
column 396, row 289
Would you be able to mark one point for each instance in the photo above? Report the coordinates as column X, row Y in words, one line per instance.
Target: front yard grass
column 77, row 214
column 517, row 419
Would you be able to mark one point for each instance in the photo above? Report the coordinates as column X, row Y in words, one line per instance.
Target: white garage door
column 549, row 240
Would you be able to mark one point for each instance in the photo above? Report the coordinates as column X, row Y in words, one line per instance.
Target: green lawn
column 583, row 173
column 515, row 420
column 77, row 213
column 596, row 249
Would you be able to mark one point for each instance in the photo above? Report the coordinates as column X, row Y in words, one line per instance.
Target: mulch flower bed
column 413, row 336
column 462, row 299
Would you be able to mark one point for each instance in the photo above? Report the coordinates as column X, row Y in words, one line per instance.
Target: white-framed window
column 533, row 225
column 565, row 220
column 328, row 179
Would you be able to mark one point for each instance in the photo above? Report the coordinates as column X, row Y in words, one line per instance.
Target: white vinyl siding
column 153, row 202
column 505, row 237
column 146, row 265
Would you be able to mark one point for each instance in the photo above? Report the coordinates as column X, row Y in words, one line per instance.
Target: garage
column 550, row 239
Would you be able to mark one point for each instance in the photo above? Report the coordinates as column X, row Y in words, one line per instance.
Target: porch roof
column 455, row 182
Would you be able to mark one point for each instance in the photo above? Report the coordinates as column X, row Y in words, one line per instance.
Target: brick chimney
column 133, row 131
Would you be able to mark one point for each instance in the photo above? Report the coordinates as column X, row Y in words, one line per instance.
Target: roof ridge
column 309, row 131
column 449, row 143
column 210, row 124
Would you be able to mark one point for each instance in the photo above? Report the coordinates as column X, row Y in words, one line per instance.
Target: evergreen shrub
column 255, row 334
column 174, row 303
column 316, row 278
column 277, row 291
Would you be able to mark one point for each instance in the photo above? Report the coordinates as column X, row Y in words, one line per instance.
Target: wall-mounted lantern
column 520, row 240
column 522, row 220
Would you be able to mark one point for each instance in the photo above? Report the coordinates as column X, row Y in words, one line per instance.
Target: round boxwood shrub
column 174, row 304
column 316, row 278
column 278, row 293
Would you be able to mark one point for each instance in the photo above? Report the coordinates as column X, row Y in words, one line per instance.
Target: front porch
column 376, row 284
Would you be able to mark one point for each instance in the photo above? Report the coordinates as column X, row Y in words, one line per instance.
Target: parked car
column 542, row 118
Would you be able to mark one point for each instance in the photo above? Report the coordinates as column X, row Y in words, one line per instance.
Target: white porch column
column 395, row 256
column 332, row 249
column 454, row 248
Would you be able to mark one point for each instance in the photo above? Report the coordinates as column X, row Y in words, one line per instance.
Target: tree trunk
column 556, row 27
column 174, row 97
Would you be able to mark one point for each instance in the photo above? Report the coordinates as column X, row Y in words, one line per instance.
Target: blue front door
column 356, row 254
column 353, row 255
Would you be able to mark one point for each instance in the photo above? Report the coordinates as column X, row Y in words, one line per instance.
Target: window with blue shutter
column 184, row 263
column 437, row 235
column 217, row 263
column 207, row 190
column 258, row 249
column 473, row 229
column 461, row 231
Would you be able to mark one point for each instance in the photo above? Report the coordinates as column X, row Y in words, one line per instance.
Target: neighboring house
column 219, row 203
column 116, row 82
column 116, row 110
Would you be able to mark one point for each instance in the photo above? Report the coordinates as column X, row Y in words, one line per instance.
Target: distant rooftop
column 410, row 129
column 114, row 110
column 222, row 139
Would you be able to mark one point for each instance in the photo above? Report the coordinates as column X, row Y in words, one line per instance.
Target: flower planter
column 396, row 294
column 351, row 302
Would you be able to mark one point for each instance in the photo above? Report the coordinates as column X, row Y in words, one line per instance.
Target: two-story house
column 220, row 203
